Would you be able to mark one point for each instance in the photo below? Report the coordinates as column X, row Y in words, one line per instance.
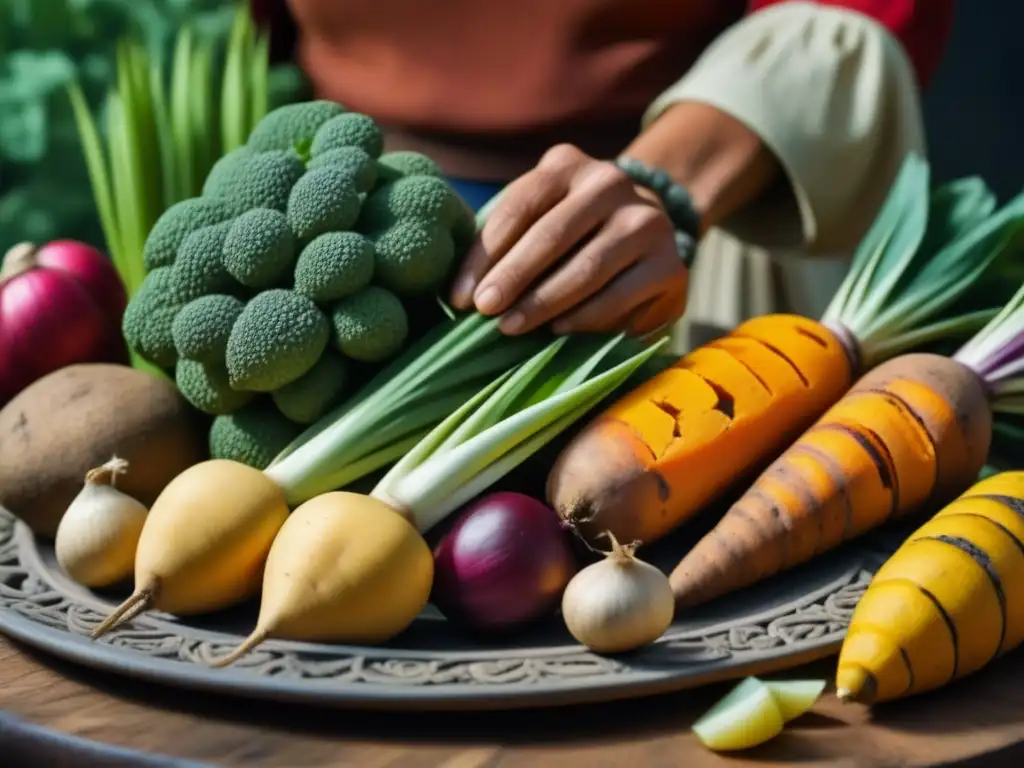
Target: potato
column 75, row 419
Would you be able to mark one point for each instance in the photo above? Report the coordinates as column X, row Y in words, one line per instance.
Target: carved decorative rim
column 784, row 624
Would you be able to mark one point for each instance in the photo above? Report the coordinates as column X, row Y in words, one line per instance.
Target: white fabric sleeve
column 832, row 93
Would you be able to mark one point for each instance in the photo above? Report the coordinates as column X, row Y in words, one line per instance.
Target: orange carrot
column 665, row 450
column 735, row 400
column 910, row 435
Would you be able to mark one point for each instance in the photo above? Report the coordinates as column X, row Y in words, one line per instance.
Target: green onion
column 461, row 407
column 414, row 393
column 503, row 426
column 928, row 268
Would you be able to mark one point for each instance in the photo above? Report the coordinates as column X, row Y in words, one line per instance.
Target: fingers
column 522, row 203
column 629, row 232
column 650, row 293
column 596, row 201
column 541, row 217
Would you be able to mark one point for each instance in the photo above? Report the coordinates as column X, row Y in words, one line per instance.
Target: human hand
column 575, row 242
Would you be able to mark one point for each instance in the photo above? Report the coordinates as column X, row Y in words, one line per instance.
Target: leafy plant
column 48, row 45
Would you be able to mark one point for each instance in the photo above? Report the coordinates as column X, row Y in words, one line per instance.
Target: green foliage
column 48, row 45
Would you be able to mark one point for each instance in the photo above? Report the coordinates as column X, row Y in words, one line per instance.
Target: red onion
column 503, row 563
column 59, row 305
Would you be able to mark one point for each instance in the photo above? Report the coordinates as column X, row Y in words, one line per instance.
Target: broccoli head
column 199, row 269
column 259, row 250
column 202, row 327
column 307, row 398
column 263, row 180
column 360, row 167
column 323, row 200
column 221, row 178
column 413, row 256
column 371, row 325
column 178, row 222
column 253, row 435
column 277, row 338
column 349, row 130
column 147, row 320
column 334, row 265
column 411, row 197
column 292, row 126
column 206, row 388
column 394, row 165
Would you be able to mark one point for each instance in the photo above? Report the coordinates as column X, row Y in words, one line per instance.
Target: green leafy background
column 44, row 46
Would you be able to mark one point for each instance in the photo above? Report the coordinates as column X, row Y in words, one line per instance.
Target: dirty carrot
column 913, row 432
column 663, row 451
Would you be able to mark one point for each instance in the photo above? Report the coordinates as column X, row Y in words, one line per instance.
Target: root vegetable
column 619, row 603
column 75, row 419
column 205, row 542
column 344, row 566
column 947, row 603
column 666, row 450
column 913, row 432
column 98, row 535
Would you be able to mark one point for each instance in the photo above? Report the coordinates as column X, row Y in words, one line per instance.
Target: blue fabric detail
column 475, row 193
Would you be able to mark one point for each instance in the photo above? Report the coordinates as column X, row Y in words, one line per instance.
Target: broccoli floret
column 349, row 130
column 323, row 200
column 410, row 197
column 307, row 398
column 464, row 230
column 202, row 327
column 252, row 435
column 334, row 265
column 206, row 388
column 259, row 249
column 292, row 126
column 413, row 256
column 371, row 325
column 394, row 165
column 177, row 223
column 360, row 167
column 146, row 322
column 199, row 269
column 277, row 338
column 263, row 180
column 221, row 178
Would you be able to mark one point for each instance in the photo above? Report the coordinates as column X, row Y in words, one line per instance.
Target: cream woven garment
column 833, row 94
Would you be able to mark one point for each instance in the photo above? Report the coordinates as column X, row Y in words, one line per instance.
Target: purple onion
column 504, row 563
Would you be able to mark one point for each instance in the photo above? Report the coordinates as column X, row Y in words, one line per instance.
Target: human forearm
column 722, row 163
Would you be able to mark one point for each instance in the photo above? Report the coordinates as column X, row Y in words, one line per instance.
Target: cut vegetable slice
column 747, row 716
column 795, row 697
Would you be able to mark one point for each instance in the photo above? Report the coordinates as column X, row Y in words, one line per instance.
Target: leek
column 457, row 411
column 413, row 394
column 505, row 424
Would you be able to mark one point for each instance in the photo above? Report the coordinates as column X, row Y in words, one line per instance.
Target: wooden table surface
column 978, row 722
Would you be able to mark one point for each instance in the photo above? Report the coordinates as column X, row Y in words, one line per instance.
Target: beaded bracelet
column 676, row 200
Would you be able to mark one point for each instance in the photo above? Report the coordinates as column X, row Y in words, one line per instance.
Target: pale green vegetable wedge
column 747, row 716
column 795, row 697
column 754, row 712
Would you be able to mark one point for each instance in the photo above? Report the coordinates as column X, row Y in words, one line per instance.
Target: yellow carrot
column 910, row 434
column 665, row 450
column 948, row 602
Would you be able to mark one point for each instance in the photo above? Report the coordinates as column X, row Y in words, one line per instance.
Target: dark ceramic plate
column 785, row 622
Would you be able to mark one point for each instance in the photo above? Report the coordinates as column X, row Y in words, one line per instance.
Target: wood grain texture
column 980, row 721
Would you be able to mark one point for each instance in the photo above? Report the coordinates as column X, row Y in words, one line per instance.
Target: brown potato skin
column 77, row 418
column 963, row 447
